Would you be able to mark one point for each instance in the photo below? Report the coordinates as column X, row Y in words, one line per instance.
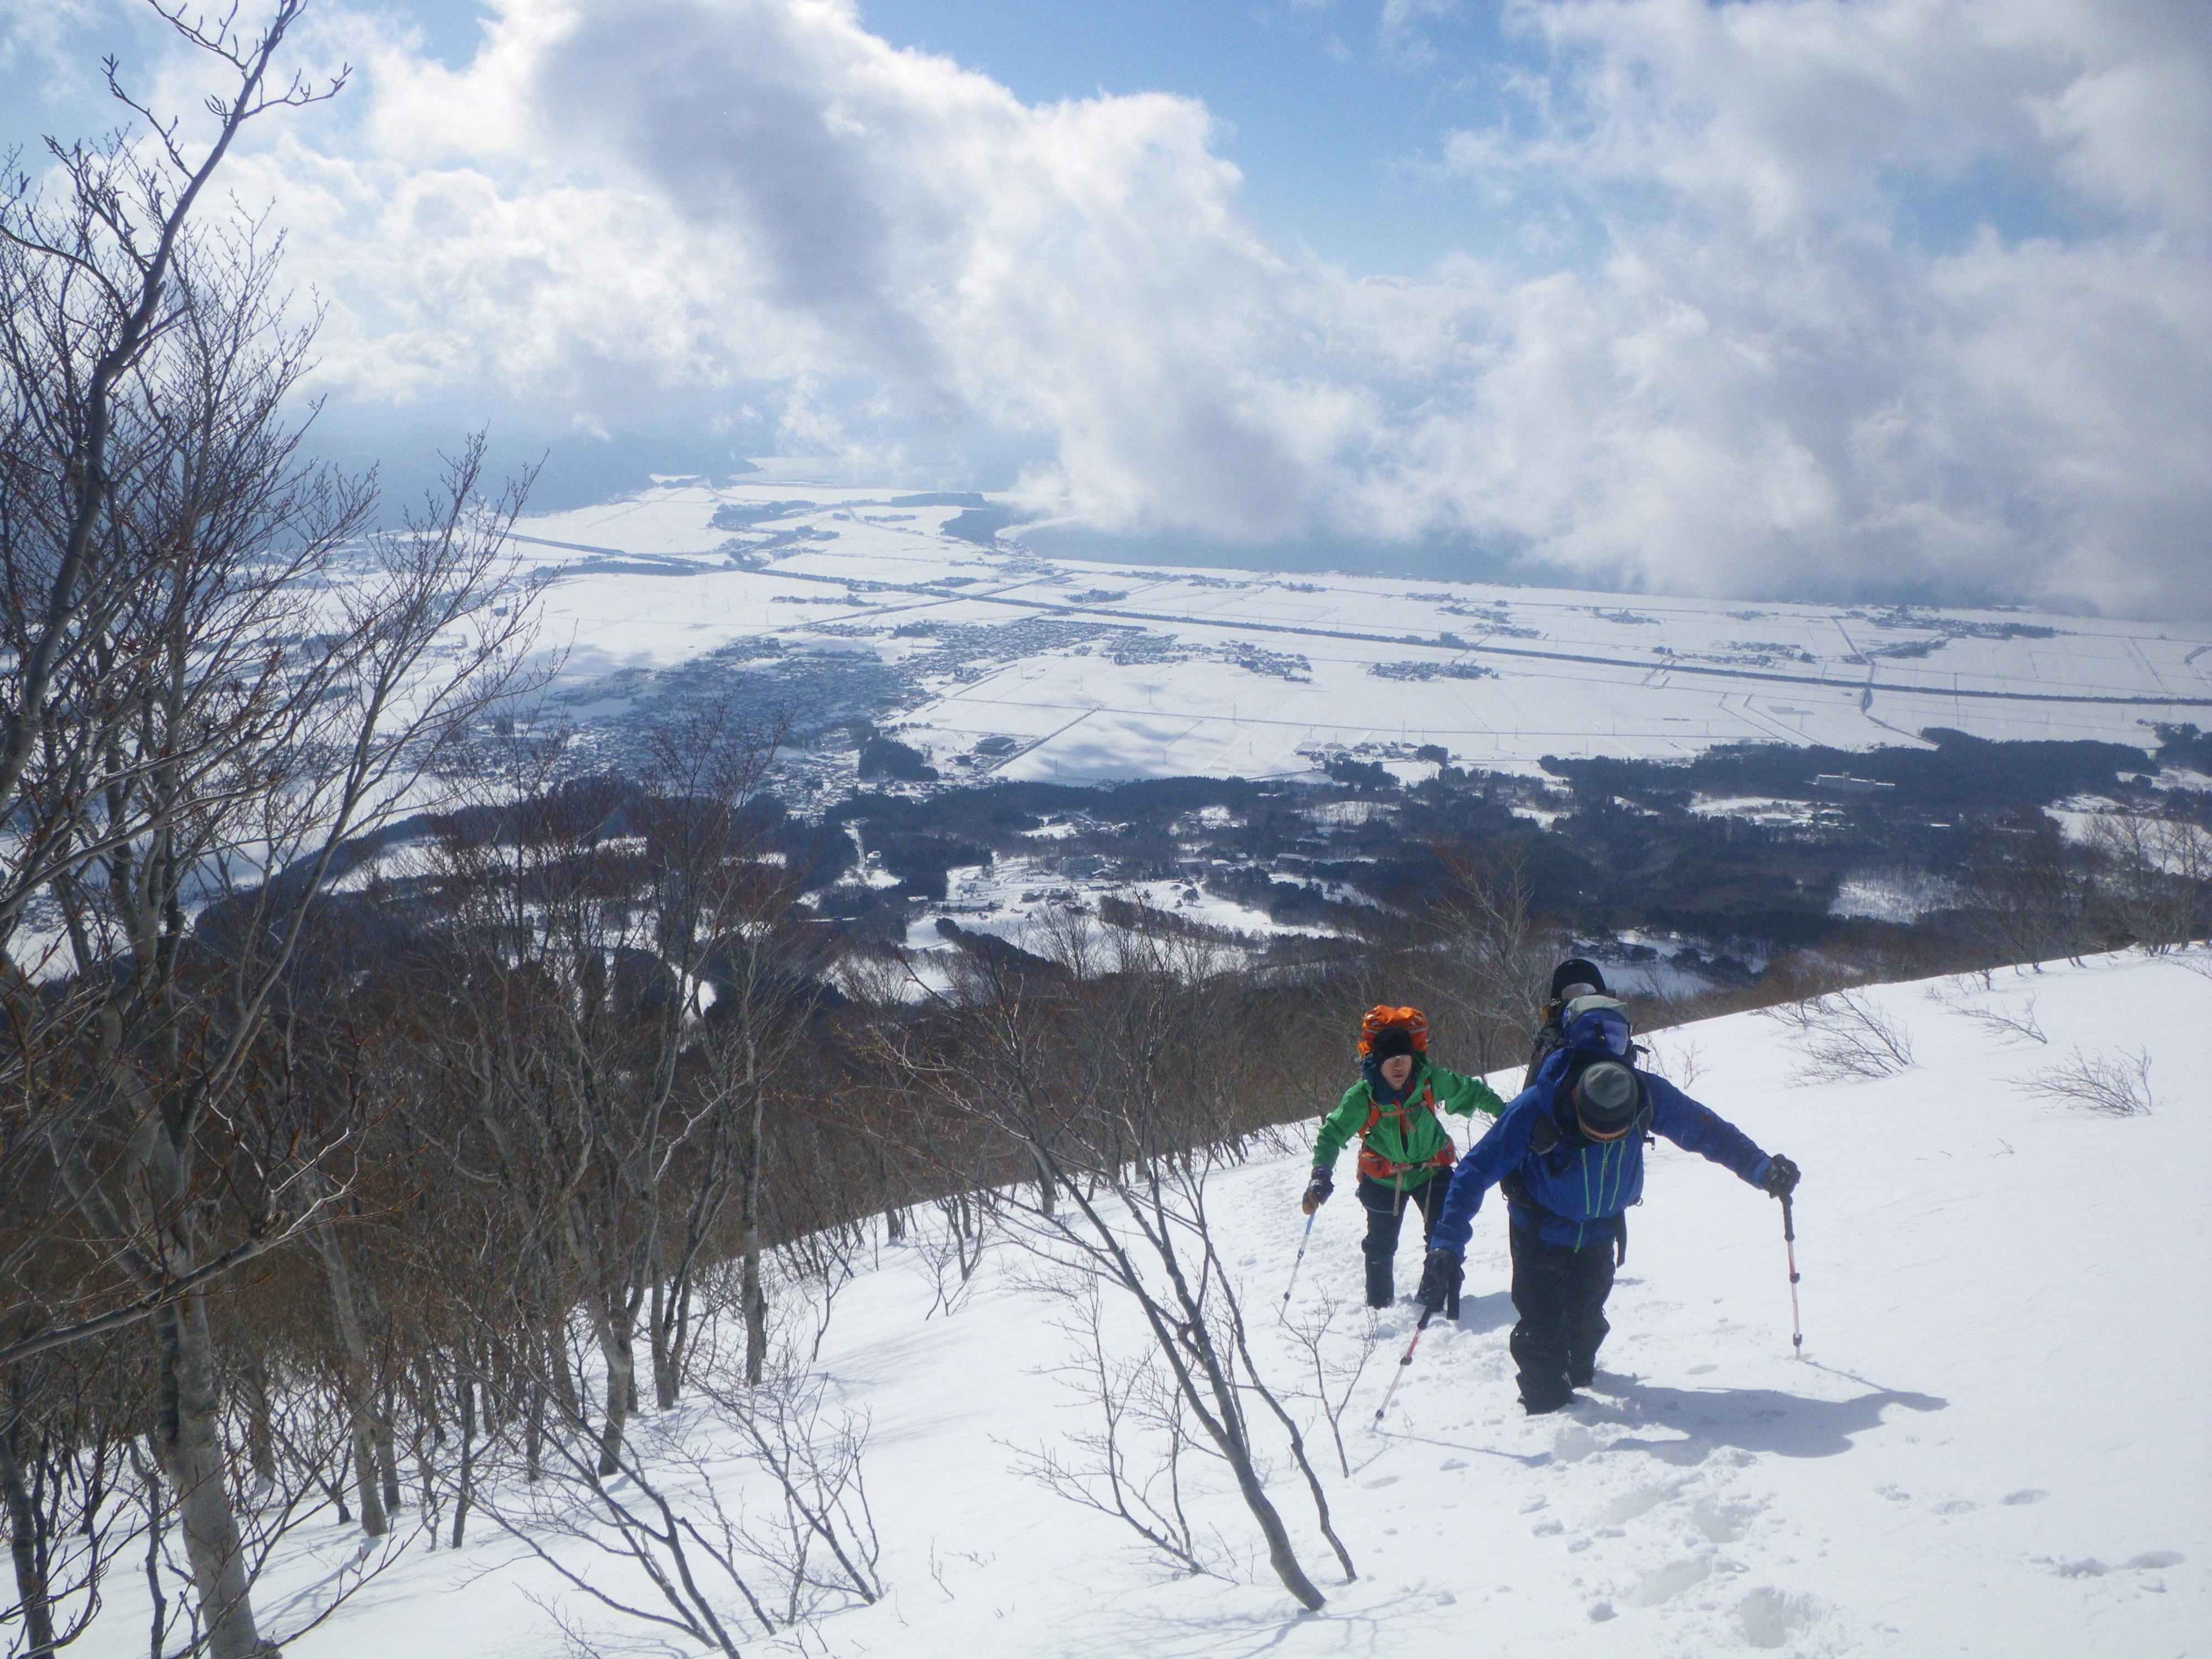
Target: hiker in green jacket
column 1403, row 1148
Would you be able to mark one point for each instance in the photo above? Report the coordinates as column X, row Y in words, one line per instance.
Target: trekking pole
column 1299, row 1260
column 1789, row 1245
column 1427, row 1314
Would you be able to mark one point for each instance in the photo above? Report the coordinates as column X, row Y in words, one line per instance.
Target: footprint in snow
column 1769, row 1619
column 2026, row 1495
column 1667, row 1582
column 1572, row 1443
column 1724, row 1521
column 1629, row 1506
column 2090, row 1567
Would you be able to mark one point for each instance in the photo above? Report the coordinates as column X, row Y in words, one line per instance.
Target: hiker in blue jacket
column 1568, row 1153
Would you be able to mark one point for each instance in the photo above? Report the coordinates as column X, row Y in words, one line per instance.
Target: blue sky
column 1885, row 299
column 1336, row 129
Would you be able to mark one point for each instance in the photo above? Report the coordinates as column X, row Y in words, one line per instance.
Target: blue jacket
column 1580, row 1185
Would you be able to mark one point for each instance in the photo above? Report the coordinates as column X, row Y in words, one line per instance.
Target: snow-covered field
column 1996, row 1442
column 997, row 662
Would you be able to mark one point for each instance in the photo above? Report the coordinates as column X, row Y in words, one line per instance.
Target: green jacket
column 1410, row 1139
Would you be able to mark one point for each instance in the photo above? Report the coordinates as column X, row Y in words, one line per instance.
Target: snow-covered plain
column 858, row 601
column 1995, row 1443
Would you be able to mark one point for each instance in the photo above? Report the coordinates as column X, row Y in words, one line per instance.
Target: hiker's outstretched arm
column 1701, row 1130
column 1465, row 1095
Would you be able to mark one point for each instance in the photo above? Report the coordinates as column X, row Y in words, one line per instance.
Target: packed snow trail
column 1996, row 1442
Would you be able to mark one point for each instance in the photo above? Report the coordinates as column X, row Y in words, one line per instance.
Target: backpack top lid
column 1383, row 1017
column 1596, row 1024
column 1576, row 970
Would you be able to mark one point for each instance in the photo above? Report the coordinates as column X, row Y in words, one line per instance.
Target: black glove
column 1440, row 1274
column 1317, row 1191
column 1781, row 1177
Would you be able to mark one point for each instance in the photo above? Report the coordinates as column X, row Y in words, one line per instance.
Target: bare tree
column 1125, row 1110
column 209, row 692
column 1481, row 959
column 2153, row 883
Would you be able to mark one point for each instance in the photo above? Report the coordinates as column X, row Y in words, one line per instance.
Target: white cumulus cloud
column 1788, row 356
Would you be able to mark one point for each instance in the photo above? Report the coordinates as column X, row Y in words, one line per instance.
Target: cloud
column 1787, row 352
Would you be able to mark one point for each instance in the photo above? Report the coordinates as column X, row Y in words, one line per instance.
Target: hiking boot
column 1382, row 1287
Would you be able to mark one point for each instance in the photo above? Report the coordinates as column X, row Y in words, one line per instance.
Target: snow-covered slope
column 1996, row 1442
column 839, row 601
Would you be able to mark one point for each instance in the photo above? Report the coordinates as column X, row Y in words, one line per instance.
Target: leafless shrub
column 632, row 1521
column 819, row 1540
column 1121, row 1161
column 2118, row 1085
column 2004, row 1023
column 1130, row 1464
column 1844, row 1035
column 1335, row 1376
column 951, row 1250
column 1679, row 1060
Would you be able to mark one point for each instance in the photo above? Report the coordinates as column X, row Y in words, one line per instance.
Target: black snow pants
column 1386, row 1209
column 1559, row 1294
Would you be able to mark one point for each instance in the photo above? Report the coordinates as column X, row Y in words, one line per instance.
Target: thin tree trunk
column 188, row 1440
column 155, row 1510
column 352, row 1377
column 616, row 1348
column 387, row 1455
column 33, row 1593
column 260, row 1433
column 752, row 1297
column 657, row 1325
column 566, row 1394
column 679, row 1341
column 752, row 1291
column 429, row 1434
column 464, row 1483
column 533, row 1432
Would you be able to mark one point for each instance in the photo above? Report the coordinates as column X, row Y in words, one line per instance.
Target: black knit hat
column 1576, row 970
column 1390, row 1039
column 1606, row 1097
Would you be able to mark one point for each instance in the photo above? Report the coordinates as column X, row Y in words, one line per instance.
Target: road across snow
column 1996, row 1444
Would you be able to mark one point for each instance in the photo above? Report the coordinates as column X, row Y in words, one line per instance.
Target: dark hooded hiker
column 1404, row 1156
column 1577, row 976
column 1569, row 1155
